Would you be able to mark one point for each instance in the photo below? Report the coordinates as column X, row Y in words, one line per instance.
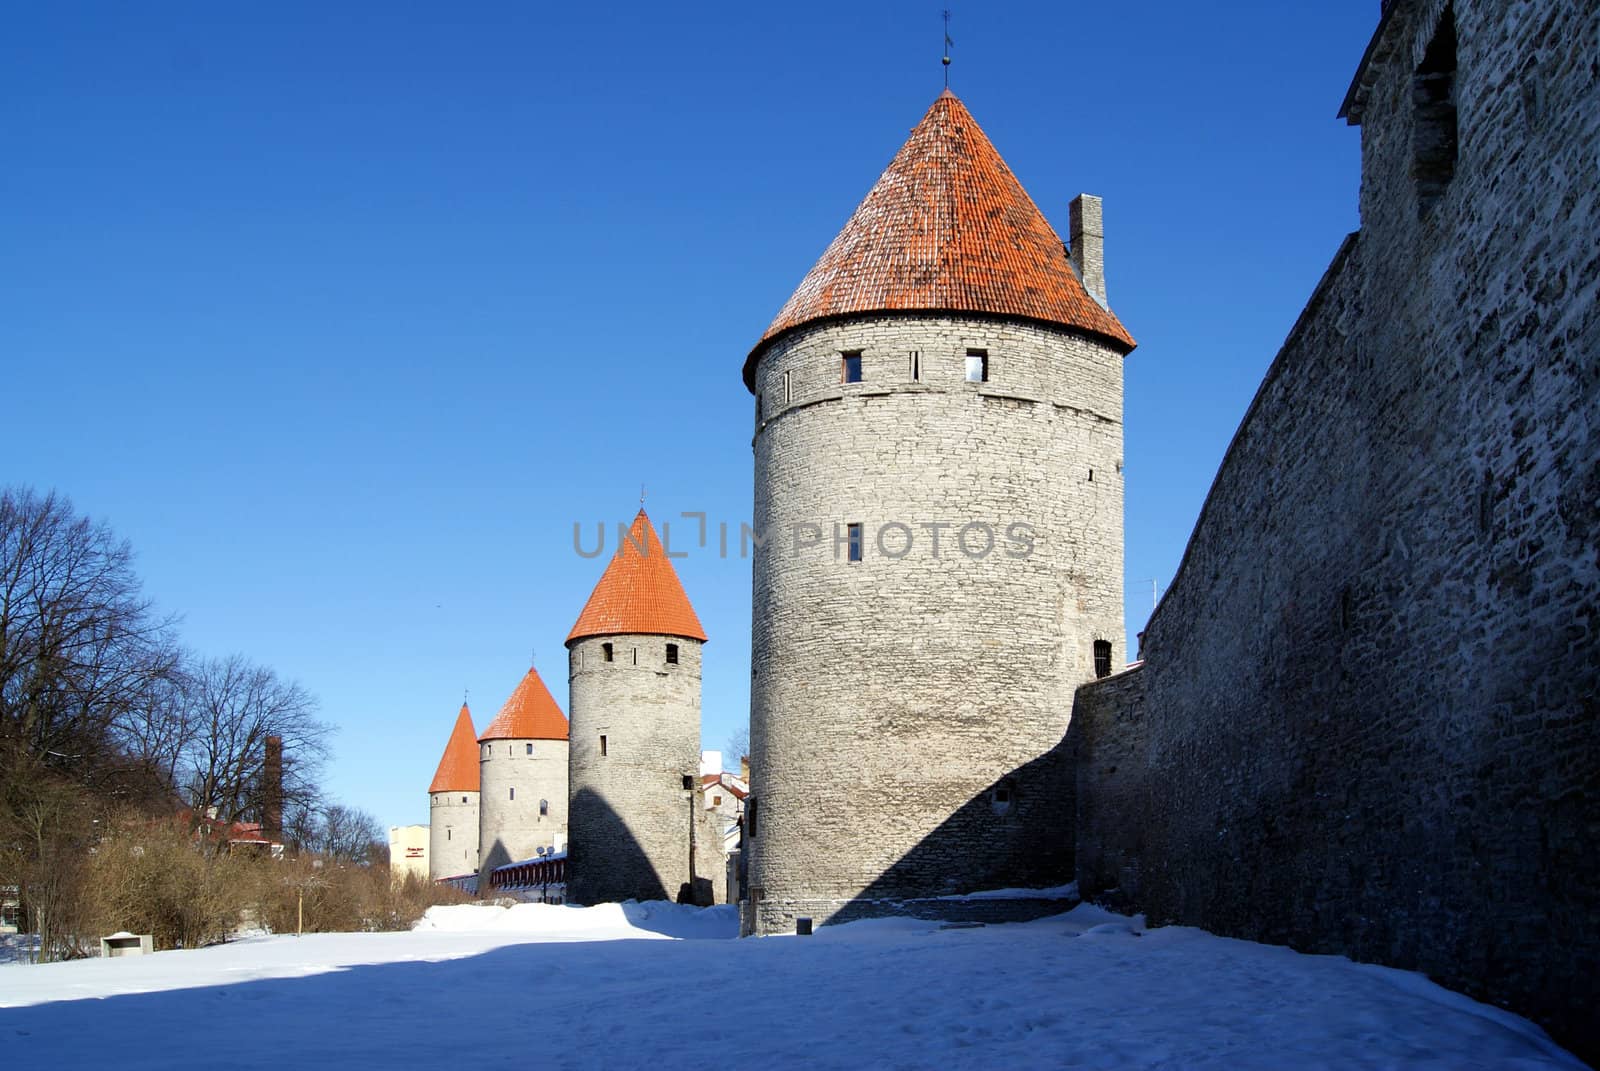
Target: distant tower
column 523, row 773
column 453, row 804
column 938, row 480
column 634, row 667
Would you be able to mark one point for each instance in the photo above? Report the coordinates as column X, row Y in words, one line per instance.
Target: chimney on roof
column 272, row 791
column 1086, row 245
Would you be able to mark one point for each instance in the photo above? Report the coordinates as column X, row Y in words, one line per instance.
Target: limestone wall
column 452, row 834
column 523, row 788
column 630, row 815
column 1370, row 722
column 892, row 697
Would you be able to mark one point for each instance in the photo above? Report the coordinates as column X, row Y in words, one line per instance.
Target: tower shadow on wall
column 609, row 865
column 1016, row 833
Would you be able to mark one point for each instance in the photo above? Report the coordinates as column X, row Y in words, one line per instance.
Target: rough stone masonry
column 1367, row 718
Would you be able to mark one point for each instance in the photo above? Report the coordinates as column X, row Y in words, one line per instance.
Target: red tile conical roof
column 458, row 769
column 530, row 714
column 638, row 593
column 946, row 227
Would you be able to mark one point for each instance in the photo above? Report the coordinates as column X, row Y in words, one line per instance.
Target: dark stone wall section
column 1367, row 720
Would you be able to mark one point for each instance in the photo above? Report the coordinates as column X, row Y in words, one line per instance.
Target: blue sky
column 343, row 317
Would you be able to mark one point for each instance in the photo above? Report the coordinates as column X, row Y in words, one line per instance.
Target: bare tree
column 233, row 706
column 81, row 656
column 737, row 747
column 80, row 650
column 349, row 835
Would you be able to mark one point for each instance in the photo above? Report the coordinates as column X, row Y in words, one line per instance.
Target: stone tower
column 938, row 489
column 453, row 804
column 634, row 666
column 523, row 774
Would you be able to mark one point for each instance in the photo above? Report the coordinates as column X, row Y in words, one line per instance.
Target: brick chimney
column 272, row 791
column 1086, row 245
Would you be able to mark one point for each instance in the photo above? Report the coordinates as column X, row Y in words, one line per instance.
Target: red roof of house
column 946, row 227
column 530, row 714
column 639, row 593
column 458, row 768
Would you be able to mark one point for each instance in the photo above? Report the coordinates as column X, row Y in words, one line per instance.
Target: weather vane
column 641, row 496
column 947, row 44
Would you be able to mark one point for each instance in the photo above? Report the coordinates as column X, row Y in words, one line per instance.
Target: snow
column 656, row 984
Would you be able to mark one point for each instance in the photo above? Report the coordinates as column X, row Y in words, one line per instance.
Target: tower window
column 463, row 799
column 759, row 408
column 977, row 366
column 636, row 656
column 1433, row 109
column 510, row 750
column 850, row 366
column 602, row 743
column 606, row 653
column 788, row 388
column 513, row 793
column 544, row 808
column 750, row 821
column 447, row 833
column 672, row 654
column 1002, row 797
column 853, row 540
column 530, row 748
column 1102, row 658
column 916, row 366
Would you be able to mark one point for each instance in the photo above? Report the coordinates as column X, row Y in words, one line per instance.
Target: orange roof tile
column 530, row 714
column 458, row 768
column 946, row 227
column 638, row 593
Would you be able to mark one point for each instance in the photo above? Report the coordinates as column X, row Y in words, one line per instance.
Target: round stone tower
column 938, row 493
column 634, row 667
column 453, row 804
column 523, row 775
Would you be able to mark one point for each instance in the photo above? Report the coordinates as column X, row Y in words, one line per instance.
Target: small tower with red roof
column 634, row 669
column 453, row 804
column 523, row 776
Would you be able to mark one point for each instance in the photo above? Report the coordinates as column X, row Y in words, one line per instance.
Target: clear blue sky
column 343, row 314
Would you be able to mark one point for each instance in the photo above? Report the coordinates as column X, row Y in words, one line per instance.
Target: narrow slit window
column 672, row 654
column 788, row 388
column 606, row 652
column 602, row 743
column 916, row 366
column 759, row 407
column 636, row 656
column 1102, row 658
column 530, row 748
column 1433, row 106
column 977, row 366
column 853, row 542
column 513, row 793
column 544, row 808
column 850, row 366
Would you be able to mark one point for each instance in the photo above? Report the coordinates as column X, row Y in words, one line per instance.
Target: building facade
column 938, row 485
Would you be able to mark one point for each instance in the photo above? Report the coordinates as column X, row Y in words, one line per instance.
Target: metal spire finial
column 947, row 44
column 641, row 496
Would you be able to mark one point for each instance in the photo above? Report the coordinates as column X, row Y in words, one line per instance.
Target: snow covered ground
column 658, row 986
